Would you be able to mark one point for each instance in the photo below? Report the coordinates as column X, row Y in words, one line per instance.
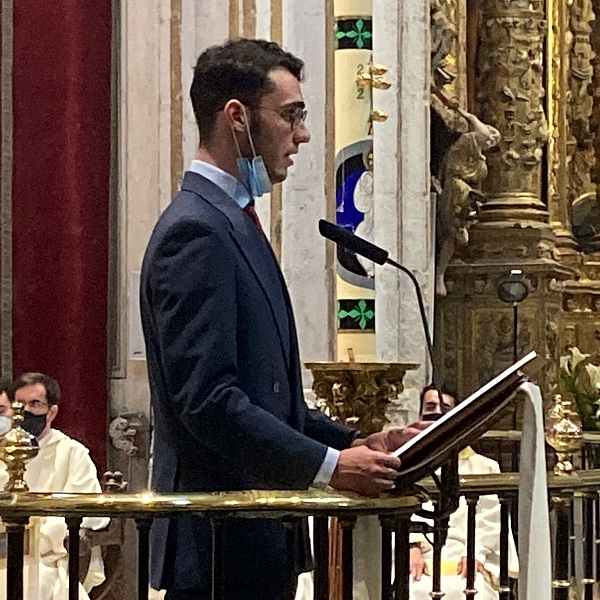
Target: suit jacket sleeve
column 195, row 308
column 320, row 427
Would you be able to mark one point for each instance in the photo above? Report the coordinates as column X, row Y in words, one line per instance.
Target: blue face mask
column 253, row 174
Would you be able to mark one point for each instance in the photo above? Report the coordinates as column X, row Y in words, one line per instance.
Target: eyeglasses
column 34, row 404
column 293, row 115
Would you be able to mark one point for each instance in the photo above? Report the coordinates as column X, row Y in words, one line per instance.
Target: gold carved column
column 519, row 207
column 581, row 299
column 562, row 104
column 510, row 92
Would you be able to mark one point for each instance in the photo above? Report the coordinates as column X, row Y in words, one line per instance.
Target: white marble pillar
column 305, row 261
column 143, row 175
column 203, row 24
column 403, row 215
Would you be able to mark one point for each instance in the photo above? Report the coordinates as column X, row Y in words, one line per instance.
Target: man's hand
column 461, row 569
column 365, row 471
column 418, row 566
column 391, row 439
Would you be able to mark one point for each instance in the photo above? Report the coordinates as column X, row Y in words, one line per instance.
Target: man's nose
column 302, row 135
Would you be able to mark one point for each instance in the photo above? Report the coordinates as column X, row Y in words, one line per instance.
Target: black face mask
column 33, row 424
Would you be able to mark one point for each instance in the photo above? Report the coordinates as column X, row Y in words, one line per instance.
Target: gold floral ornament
column 582, row 381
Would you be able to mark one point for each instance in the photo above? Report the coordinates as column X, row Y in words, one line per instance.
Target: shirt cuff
column 326, row 470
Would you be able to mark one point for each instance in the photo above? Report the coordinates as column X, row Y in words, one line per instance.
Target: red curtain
column 62, row 122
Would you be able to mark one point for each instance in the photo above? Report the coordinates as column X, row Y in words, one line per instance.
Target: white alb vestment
column 62, row 465
column 487, row 541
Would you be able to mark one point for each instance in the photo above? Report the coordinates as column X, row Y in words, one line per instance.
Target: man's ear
column 52, row 413
column 236, row 115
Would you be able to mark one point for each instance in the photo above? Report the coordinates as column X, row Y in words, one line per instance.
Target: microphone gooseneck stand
column 448, row 483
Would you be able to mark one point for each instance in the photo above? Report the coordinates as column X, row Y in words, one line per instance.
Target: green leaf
column 362, row 305
column 354, row 313
column 343, row 314
column 340, row 35
column 363, row 323
column 359, row 25
column 367, row 35
column 351, row 34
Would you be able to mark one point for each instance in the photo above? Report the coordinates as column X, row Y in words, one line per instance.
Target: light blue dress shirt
column 236, row 190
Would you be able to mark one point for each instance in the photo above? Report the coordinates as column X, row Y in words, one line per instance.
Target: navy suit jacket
column 225, row 381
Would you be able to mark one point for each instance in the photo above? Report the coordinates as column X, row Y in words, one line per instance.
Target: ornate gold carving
column 561, row 142
column 579, row 108
column 464, row 169
column 510, row 94
column 358, row 394
column 494, row 342
column 595, row 62
column 18, row 448
column 448, row 62
column 563, row 434
column 527, row 244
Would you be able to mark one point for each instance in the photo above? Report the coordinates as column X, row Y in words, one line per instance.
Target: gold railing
column 394, row 513
column 571, row 495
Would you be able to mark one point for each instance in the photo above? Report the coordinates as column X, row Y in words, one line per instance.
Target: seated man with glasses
column 62, row 465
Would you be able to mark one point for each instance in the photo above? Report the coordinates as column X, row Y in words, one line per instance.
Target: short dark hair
column 238, row 69
column 428, row 388
column 50, row 385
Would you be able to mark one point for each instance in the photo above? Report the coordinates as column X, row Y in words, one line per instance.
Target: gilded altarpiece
column 528, row 66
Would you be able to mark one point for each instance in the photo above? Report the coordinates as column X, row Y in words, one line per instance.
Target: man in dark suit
column 222, row 350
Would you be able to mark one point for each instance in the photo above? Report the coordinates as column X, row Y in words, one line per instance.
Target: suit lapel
column 251, row 245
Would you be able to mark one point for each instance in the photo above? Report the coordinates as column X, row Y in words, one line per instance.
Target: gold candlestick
column 18, row 448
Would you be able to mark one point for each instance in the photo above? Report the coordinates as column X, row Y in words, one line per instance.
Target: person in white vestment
column 62, row 465
column 454, row 553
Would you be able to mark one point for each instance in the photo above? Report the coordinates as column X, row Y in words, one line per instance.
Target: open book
column 463, row 424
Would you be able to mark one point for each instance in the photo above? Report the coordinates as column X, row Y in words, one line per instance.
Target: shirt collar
column 232, row 186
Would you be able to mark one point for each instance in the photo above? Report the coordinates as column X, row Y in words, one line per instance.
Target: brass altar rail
column 513, row 435
column 574, row 494
column 251, row 504
column 394, row 512
column 495, row 483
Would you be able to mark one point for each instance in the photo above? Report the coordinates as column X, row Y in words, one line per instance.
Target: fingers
column 420, row 425
column 416, row 570
column 425, row 569
column 387, row 460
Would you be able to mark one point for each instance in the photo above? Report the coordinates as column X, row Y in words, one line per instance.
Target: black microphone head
column 352, row 242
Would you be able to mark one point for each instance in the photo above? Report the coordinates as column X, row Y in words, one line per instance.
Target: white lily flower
column 564, row 364
column 577, row 356
column 593, row 372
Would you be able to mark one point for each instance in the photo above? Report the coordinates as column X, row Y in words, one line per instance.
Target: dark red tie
column 251, row 212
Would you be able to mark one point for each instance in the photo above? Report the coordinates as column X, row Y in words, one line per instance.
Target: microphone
column 379, row 256
column 348, row 240
column 449, row 482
